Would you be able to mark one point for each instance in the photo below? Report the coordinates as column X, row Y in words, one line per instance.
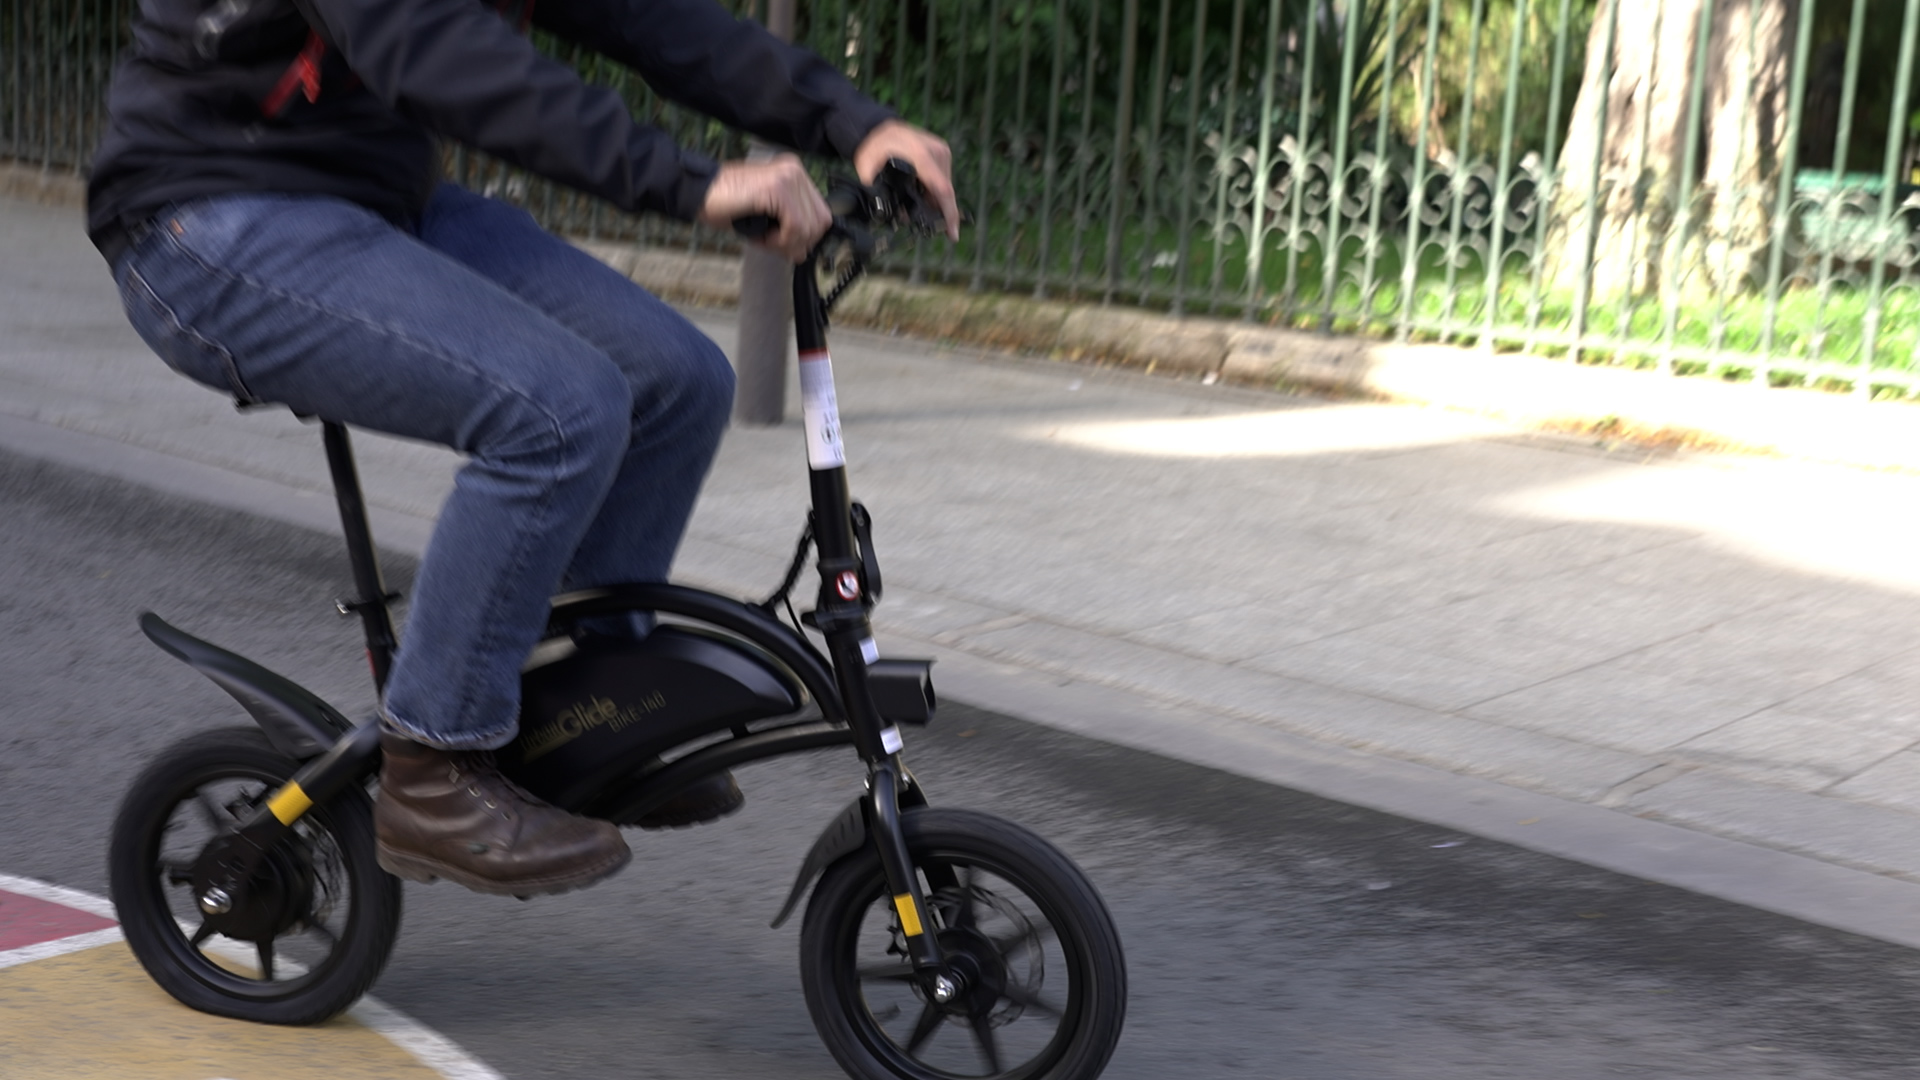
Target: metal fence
column 1723, row 188
column 56, row 57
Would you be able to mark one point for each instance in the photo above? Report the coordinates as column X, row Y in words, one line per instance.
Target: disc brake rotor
column 990, row 964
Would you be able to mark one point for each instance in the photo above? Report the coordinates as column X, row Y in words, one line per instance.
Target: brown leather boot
column 451, row 814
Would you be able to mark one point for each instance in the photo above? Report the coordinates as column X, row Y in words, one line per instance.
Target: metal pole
column 1416, row 194
column 1122, row 138
column 1263, row 161
column 766, row 301
column 1887, row 224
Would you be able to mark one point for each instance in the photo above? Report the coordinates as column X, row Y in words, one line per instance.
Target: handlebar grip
column 755, row 226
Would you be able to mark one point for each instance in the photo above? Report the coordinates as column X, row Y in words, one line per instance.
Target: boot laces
column 482, row 772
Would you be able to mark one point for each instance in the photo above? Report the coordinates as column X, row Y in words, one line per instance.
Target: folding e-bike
column 937, row 943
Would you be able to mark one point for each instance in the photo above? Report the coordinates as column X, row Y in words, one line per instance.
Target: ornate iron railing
column 1739, row 202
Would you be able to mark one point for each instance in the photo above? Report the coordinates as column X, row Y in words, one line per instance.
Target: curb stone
column 46, row 186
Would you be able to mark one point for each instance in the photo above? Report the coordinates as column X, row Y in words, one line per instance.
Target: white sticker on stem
column 821, row 411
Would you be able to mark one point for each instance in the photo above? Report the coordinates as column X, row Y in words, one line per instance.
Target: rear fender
column 297, row 722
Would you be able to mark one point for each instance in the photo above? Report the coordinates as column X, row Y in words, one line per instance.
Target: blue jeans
column 588, row 410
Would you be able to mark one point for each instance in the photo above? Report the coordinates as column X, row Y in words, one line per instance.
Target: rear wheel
column 317, row 921
column 1042, row 978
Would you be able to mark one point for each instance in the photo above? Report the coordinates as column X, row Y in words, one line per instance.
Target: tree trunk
column 1642, row 239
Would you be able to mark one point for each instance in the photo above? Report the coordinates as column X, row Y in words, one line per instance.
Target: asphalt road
column 1269, row 934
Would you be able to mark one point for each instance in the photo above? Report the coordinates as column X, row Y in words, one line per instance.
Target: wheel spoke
column 939, row 876
column 1033, row 931
column 967, row 916
column 217, row 819
column 923, row 1029
column 989, row 1048
column 900, row 971
column 265, row 949
column 177, row 872
column 202, row 934
column 1030, row 1001
column 324, row 934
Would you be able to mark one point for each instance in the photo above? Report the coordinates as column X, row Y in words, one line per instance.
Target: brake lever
column 906, row 205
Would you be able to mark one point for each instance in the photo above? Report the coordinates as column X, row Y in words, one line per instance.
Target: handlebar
column 894, row 201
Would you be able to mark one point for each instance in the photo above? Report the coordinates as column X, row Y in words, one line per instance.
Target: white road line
column 55, row 894
column 426, row 1045
column 43, row 950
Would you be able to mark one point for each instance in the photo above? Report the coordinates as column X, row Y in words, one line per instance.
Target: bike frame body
column 841, row 678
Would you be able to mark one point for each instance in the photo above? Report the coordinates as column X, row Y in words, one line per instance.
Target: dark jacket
column 215, row 98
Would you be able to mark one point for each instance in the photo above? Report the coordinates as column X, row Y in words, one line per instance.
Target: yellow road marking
column 909, row 914
column 289, row 803
column 96, row 1014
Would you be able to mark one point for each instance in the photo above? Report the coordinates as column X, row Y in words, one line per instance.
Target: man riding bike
column 267, row 197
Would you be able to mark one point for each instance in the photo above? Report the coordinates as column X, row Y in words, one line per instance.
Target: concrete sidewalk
column 1695, row 669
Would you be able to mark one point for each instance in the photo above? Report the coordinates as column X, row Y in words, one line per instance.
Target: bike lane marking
column 75, row 1004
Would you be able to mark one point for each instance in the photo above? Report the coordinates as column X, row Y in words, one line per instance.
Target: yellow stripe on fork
column 909, row 915
column 289, row 803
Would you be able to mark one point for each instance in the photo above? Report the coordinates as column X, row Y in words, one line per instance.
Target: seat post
column 372, row 603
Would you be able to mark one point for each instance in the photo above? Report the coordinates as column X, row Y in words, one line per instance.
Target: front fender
column 844, row 835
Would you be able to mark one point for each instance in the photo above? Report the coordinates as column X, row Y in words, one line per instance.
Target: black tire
column 334, row 913
column 1005, row 905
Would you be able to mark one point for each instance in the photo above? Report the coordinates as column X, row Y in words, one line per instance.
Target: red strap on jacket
column 302, row 74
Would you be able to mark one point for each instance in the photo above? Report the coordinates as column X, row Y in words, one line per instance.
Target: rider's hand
column 932, row 161
column 778, row 187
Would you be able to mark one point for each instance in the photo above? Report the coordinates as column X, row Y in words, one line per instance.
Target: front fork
column 849, row 586
column 890, row 788
column 885, row 800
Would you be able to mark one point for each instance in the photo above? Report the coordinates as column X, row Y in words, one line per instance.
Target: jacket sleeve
column 459, row 69
column 733, row 70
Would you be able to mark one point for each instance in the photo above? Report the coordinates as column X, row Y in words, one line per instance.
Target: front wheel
column 1043, row 980
column 317, row 921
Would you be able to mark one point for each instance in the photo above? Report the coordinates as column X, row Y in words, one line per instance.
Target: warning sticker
column 821, row 411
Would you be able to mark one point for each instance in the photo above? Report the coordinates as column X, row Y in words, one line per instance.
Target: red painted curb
column 27, row 920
